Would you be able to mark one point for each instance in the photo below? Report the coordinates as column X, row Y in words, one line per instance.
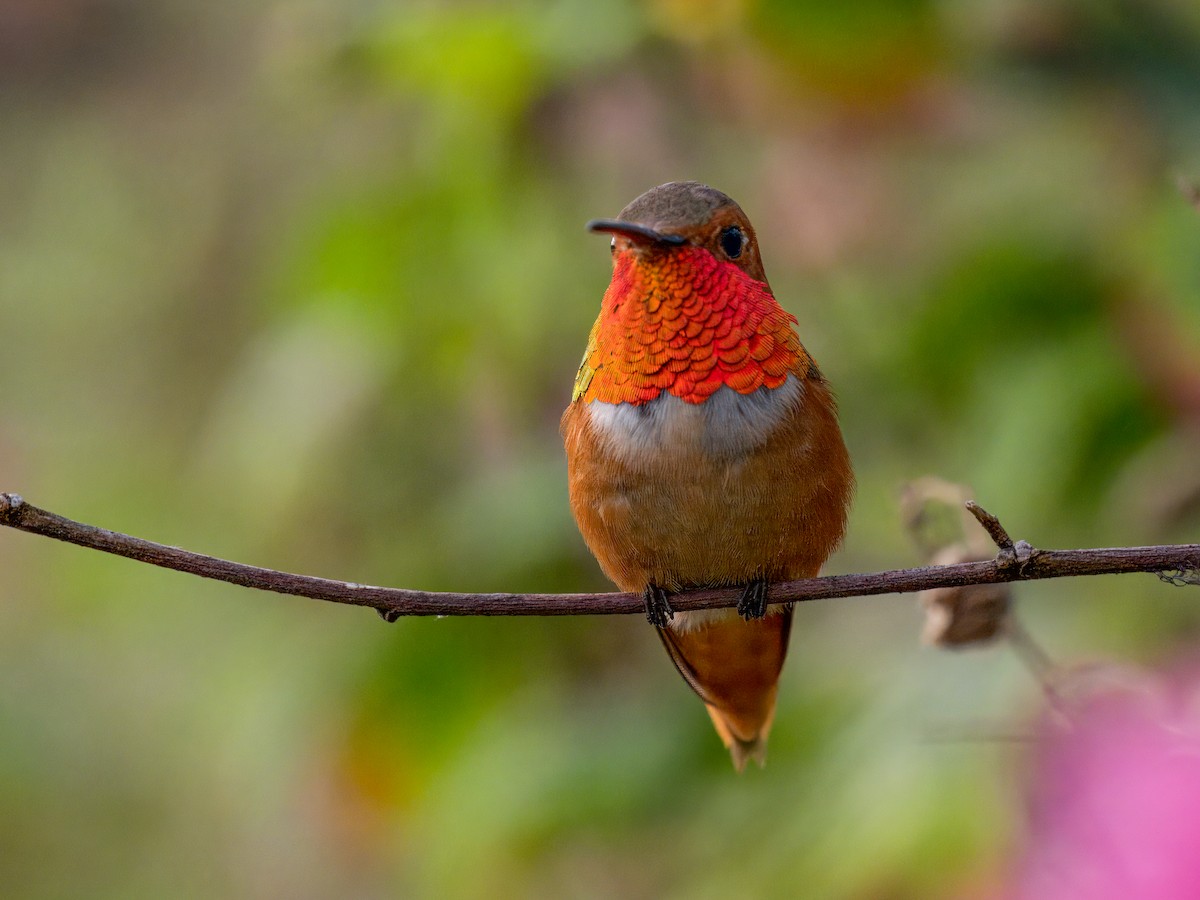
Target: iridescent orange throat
column 686, row 324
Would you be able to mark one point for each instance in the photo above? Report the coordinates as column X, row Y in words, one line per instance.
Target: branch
column 993, row 527
column 1177, row 564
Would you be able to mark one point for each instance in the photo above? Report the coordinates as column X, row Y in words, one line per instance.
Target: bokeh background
column 305, row 285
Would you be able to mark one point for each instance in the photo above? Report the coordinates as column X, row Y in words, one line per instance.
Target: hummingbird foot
column 658, row 605
column 388, row 615
column 753, row 604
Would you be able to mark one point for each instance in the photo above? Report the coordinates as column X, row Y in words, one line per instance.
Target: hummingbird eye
column 732, row 241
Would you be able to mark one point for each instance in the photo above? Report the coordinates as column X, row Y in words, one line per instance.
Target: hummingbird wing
column 583, row 378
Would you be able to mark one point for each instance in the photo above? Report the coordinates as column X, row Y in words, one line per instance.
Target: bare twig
column 992, row 526
column 1039, row 664
column 1181, row 560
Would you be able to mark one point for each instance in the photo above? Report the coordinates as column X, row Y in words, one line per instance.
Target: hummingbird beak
column 639, row 234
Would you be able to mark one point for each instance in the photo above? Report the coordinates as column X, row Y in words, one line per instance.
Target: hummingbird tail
column 733, row 666
column 740, row 750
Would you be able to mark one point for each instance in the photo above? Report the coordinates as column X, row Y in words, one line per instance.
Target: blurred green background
column 305, row 285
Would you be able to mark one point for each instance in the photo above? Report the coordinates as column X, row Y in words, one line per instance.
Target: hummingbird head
column 689, row 310
column 684, row 214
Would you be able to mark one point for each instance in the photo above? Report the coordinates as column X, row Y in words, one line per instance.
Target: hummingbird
column 703, row 447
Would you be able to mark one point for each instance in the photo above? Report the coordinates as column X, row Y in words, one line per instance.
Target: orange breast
column 681, row 516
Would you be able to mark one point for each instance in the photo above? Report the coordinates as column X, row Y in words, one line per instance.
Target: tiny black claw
column 658, row 606
column 753, row 604
column 388, row 615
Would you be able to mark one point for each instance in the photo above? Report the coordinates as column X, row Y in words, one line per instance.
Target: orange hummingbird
column 703, row 448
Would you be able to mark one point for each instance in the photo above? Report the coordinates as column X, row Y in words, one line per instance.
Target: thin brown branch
column 1179, row 563
column 992, row 526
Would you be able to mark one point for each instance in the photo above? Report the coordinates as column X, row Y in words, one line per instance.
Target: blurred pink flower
column 1115, row 808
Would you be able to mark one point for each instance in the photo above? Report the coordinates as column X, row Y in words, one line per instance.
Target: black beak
column 639, row 234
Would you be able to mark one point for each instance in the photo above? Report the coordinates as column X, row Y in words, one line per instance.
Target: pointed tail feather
column 739, row 749
column 733, row 666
